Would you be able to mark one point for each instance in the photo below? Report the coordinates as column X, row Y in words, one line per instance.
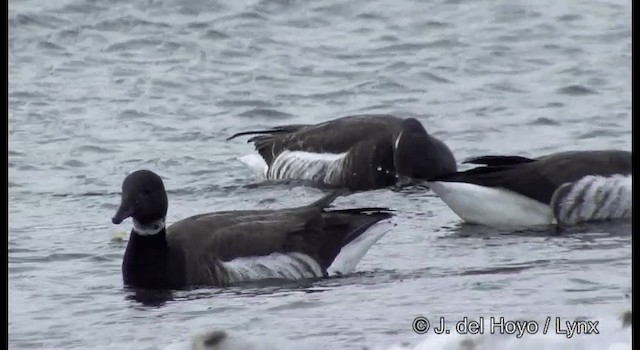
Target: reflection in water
column 150, row 297
column 250, row 289
column 159, row 297
column 612, row 228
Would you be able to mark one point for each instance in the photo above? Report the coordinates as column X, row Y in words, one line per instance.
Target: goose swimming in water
column 223, row 248
column 561, row 188
column 360, row 152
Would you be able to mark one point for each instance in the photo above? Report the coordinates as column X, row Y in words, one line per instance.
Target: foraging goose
column 360, row 152
column 563, row 188
column 219, row 249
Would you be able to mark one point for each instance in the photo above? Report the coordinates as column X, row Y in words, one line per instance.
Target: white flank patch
column 596, row 198
column 291, row 266
column 255, row 162
column 351, row 254
column 492, row 206
column 148, row 229
column 298, row 165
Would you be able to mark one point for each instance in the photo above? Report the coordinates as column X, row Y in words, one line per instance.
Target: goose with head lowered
column 562, row 188
column 359, row 152
column 229, row 247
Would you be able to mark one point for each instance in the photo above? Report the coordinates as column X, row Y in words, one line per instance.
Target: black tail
column 343, row 226
column 498, row 160
column 493, row 166
column 373, row 215
column 275, row 130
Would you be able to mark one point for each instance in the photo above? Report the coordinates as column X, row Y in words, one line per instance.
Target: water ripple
column 576, row 90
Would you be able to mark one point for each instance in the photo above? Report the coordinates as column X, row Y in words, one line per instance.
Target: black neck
column 146, row 261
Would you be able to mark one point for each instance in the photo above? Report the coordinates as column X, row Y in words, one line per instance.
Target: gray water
column 100, row 88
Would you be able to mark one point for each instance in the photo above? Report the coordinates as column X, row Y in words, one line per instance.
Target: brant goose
column 223, row 248
column 360, row 152
column 562, row 188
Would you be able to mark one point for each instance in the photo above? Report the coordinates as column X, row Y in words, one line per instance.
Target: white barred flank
column 291, row 266
column 299, row 165
column 593, row 198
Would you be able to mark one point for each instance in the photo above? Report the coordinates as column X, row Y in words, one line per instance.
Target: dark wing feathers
column 225, row 236
column 257, row 238
column 312, row 229
column 232, row 234
column 327, row 137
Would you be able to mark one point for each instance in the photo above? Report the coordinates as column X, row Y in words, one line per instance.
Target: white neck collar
column 149, row 229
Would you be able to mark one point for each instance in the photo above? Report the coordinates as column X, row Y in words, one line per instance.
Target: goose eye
column 146, row 191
